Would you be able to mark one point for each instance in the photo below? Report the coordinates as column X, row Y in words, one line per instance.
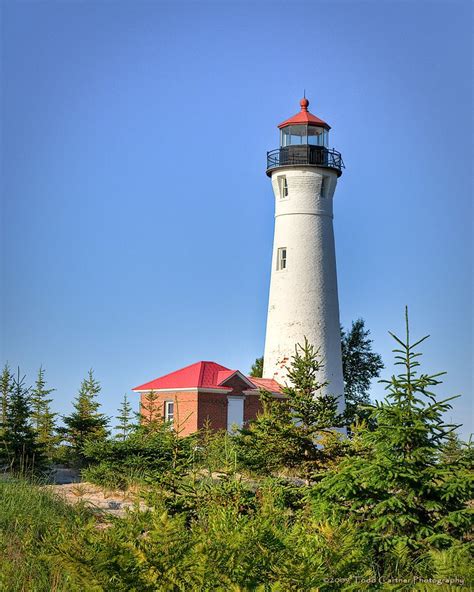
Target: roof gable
column 227, row 375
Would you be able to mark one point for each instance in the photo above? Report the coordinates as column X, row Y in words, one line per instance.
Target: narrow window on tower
column 283, row 186
column 169, row 411
column 281, row 259
column 324, row 186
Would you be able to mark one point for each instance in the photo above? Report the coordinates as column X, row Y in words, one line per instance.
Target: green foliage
column 309, row 408
column 6, row 387
column 238, row 540
column 454, row 449
column 216, row 450
column 403, row 498
column 268, row 443
column 19, row 448
column 85, row 422
column 150, row 414
column 257, row 368
column 125, row 425
column 32, row 521
column 43, row 419
column 288, row 432
column 456, row 560
column 146, row 455
column 360, row 365
column 228, row 536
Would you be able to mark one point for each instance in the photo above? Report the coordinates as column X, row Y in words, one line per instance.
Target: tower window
column 169, row 411
column 283, row 186
column 324, row 186
column 281, row 259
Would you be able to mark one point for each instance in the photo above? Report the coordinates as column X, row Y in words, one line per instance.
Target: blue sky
column 137, row 218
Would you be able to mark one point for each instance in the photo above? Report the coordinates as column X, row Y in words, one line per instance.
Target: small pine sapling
column 21, row 451
column 86, row 422
column 6, row 387
column 125, row 424
column 43, row 419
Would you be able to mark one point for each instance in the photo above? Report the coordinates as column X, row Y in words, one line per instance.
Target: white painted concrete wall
column 303, row 297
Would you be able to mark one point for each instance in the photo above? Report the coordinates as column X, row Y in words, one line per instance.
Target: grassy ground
column 32, row 523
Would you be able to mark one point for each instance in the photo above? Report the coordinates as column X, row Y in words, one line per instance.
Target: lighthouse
column 303, row 300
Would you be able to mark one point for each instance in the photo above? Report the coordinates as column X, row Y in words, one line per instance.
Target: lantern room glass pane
column 317, row 136
column 294, row 134
column 304, row 134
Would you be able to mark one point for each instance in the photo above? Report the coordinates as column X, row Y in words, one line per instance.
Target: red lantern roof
column 304, row 117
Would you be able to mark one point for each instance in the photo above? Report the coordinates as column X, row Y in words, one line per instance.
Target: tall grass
column 32, row 522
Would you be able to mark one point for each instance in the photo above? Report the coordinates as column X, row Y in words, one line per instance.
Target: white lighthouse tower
column 303, row 298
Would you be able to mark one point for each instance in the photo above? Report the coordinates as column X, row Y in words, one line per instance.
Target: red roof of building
column 203, row 375
column 223, row 375
column 200, row 374
column 305, row 117
column 269, row 384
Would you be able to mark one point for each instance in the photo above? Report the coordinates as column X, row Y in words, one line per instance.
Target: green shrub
column 237, row 540
column 216, row 451
column 155, row 456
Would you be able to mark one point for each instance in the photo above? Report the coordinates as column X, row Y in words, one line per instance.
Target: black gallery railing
column 305, row 154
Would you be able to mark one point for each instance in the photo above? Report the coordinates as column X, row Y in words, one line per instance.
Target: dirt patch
column 100, row 501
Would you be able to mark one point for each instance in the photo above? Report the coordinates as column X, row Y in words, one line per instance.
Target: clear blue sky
column 137, row 218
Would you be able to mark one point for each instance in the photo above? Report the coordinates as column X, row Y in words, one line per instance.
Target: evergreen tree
column 359, row 365
column 6, row 387
column 402, row 496
column 311, row 410
column 86, row 422
column 43, row 419
column 452, row 449
column 257, row 368
column 288, row 432
column 125, row 425
column 150, row 414
column 20, row 450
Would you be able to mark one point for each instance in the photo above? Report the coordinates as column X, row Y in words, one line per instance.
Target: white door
column 235, row 412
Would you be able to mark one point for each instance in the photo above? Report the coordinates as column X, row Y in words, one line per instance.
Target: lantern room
column 304, row 140
column 303, row 134
column 304, row 128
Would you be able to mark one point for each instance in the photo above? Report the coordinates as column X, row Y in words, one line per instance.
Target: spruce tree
column 150, row 414
column 454, row 449
column 125, row 425
column 43, row 419
column 360, row 365
column 311, row 410
column 20, row 450
column 86, row 422
column 401, row 493
column 288, row 433
column 256, row 371
column 6, row 387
